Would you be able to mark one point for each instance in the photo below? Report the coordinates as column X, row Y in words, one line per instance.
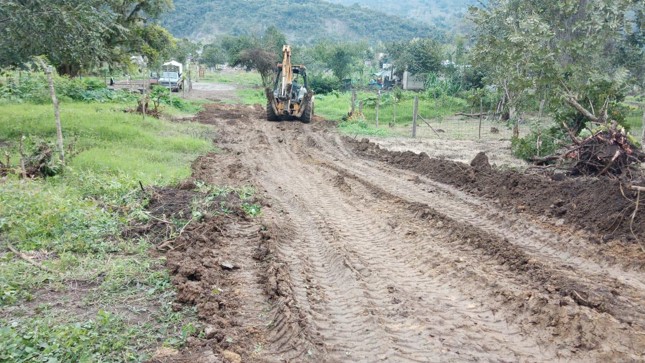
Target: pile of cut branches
column 608, row 151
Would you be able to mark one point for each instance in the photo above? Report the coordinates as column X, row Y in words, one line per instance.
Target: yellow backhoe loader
column 290, row 97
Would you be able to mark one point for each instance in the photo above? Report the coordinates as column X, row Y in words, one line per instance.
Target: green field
column 74, row 222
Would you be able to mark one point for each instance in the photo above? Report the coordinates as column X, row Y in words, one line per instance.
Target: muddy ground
column 363, row 254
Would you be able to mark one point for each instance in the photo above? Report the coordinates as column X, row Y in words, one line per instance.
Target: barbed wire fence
column 479, row 124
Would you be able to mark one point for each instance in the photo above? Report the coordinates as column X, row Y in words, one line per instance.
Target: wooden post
column 378, row 103
column 360, row 107
column 145, row 97
column 21, row 150
column 481, row 114
column 415, row 112
column 643, row 136
column 353, row 101
column 59, row 128
column 190, row 81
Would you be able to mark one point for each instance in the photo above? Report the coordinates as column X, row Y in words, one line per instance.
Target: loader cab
column 299, row 85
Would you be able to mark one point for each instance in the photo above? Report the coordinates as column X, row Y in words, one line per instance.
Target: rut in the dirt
column 369, row 256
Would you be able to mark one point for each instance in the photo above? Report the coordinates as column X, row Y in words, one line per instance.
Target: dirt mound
column 600, row 205
column 480, row 162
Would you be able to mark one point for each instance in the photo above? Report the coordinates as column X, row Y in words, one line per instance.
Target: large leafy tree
column 342, row 59
column 77, row 34
column 260, row 53
column 419, row 56
column 71, row 33
column 564, row 49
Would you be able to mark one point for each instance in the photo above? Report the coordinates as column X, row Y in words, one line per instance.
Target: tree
column 155, row 44
column 561, row 49
column 341, row 58
column 71, row 33
column 182, row 49
column 213, row 54
column 77, row 34
column 136, row 31
column 418, row 56
column 259, row 53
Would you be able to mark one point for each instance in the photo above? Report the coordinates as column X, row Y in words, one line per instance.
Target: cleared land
column 363, row 254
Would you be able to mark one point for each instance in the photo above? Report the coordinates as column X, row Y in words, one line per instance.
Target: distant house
column 387, row 77
column 413, row 82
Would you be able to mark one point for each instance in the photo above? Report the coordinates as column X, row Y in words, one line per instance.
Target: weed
column 252, row 210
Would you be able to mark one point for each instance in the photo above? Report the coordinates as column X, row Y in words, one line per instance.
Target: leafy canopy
column 563, row 49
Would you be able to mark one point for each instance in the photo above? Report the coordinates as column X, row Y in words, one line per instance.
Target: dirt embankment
column 363, row 254
column 602, row 205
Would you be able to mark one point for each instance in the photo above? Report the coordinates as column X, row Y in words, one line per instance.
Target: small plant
column 252, row 210
column 539, row 142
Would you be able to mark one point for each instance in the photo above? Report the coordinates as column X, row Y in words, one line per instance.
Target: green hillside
column 303, row 21
column 443, row 14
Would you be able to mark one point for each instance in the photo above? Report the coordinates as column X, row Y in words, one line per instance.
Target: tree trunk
column 511, row 112
column 541, row 112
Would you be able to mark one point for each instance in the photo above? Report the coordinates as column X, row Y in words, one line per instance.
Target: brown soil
column 603, row 206
column 364, row 255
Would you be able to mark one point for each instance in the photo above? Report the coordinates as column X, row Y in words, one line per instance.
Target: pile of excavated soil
column 601, row 205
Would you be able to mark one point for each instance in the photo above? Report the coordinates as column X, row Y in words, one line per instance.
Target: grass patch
column 237, row 77
column 71, row 224
column 634, row 120
column 252, row 96
column 335, row 106
column 355, row 128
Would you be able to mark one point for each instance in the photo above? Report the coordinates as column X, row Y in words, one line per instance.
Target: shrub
column 324, row 85
column 539, row 142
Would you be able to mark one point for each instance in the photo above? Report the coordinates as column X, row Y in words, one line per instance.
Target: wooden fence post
column 59, row 128
column 378, row 103
column 481, row 114
column 360, row 108
column 415, row 112
column 643, row 136
column 353, row 101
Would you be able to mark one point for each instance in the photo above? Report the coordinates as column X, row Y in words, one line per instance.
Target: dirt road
column 365, row 257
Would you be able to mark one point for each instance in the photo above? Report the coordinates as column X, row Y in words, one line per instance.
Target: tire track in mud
column 534, row 241
column 432, row 273
column 344, row 243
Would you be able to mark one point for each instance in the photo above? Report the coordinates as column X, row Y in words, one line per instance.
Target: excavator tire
column 271, row 116
column 308, row 113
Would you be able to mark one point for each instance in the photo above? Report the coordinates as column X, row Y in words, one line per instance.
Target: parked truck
column 171, row 76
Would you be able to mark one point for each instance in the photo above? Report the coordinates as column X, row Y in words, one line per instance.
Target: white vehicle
column 171, row 76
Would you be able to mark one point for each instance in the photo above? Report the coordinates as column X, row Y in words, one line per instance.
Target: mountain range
column 306, row 21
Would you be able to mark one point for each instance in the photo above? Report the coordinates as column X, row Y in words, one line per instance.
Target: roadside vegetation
column 74, row 288
column 94, row 295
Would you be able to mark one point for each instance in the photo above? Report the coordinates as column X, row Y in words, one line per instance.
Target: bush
column 324, row 85
column 34, row 87
column 549, row 141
